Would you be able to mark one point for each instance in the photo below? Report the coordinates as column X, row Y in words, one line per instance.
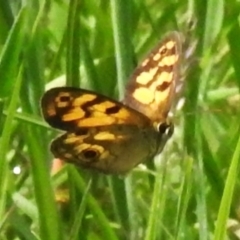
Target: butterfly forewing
column 69, row 109
column 152, row 85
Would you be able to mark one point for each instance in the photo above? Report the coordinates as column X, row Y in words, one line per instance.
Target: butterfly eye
column 166, row 128
column 90, row 154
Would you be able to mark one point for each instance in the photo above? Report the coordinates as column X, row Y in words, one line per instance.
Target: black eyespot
column 64, row 98
column 90, row 154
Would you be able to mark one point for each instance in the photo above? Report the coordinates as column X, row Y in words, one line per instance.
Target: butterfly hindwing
column 109, row 149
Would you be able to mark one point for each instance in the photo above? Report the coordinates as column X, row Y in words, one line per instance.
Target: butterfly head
column 165, row 130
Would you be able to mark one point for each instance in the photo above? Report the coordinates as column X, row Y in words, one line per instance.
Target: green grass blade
column 224, row 209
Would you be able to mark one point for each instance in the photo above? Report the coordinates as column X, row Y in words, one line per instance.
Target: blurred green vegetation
column 193, row 191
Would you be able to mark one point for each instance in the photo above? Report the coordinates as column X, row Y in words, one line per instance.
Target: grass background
column 193, row 193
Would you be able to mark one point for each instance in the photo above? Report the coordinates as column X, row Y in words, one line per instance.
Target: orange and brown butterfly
column 111, row 136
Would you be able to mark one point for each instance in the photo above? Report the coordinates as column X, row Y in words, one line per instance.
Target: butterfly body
column 110, row 136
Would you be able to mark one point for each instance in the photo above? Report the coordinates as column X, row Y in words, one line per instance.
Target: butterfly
column 111, row 136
